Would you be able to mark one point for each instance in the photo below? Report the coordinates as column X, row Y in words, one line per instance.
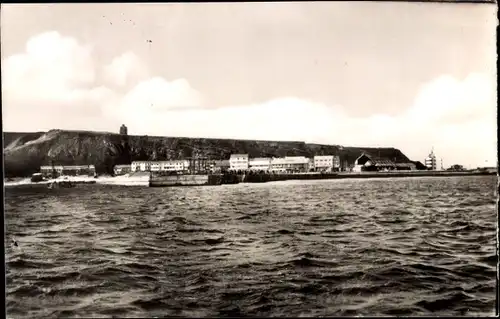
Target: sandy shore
column 125, row 180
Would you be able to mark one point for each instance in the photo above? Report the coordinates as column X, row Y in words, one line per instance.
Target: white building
column 122, row 169
column 279, row 164
column 361, row 162
column 160, row 166
column 326, row 163
column 175, row 165
column 430, row 161
column 72, row 170
column 238, row 162
column 290, row 164
column 155, row 166
column 260, row 164
column 141, row 166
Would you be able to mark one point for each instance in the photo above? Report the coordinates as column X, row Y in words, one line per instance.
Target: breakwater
column 411, row 174
column 179, row 180
column 192, row 180
column 262, row 178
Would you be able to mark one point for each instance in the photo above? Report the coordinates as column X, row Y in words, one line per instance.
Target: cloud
column 456, row 117
column 124, row 69
column 55, row 83
column 448, row 100
column 57, row 78
column 159, row 94
column 52, row 67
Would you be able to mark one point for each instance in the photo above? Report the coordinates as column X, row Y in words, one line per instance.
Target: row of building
column 68, row 170
column 236, row 163
column 239, row 163
column 291, row 164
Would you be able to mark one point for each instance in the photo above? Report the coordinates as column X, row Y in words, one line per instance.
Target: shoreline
column 143, row 179
column 414, row 173
column 123, row 180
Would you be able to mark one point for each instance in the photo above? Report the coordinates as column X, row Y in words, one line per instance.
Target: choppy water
column 415, row 246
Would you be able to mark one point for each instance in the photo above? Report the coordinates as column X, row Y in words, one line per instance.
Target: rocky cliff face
column 24, row 153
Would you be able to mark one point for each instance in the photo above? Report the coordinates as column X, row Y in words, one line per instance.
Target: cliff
column 24, row 153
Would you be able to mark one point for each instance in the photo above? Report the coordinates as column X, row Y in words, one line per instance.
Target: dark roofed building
column 368, row 162
column 122, row 169
column 419, row 165
column 221, row 166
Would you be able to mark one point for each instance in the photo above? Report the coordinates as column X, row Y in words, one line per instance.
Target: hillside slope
column 24, row 153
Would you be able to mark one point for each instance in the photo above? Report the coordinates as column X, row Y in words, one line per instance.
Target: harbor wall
column 262, row 178
column 193, row 180
column 178, row 180
column 410, row 174
column 231, row 179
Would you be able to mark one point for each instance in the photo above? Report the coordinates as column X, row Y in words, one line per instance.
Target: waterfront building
column 326, row 163
column 419, row 165
column 67, row 170
column 363, row 163
column 238, row 162
column 174, row 166
column 155, row 166
column 260, row 164
column 122, row 169
column 310, row 165
column 405, row 166
column 279, row 165
column 430, row 161
column 221, row 166
column 141, row 166
column 198, row 165
column 345, row 165
column 160, row 166
column 48, row 171
column 367, row 162
column 290, row 164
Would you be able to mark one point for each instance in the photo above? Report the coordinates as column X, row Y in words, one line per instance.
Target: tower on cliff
column 123, row 130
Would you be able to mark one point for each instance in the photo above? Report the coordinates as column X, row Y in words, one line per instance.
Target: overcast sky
column 409, row 75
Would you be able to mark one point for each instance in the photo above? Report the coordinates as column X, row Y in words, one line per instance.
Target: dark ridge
column 24, row 153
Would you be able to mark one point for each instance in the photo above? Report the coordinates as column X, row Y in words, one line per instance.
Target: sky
column 414, row 76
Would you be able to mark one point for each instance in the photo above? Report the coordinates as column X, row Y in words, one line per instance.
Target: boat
column 62, row 184
column 37, row 177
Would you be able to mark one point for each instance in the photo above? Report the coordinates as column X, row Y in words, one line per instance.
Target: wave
column 313, row 249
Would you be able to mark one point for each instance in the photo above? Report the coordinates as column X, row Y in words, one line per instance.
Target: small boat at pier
column 60, row 184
